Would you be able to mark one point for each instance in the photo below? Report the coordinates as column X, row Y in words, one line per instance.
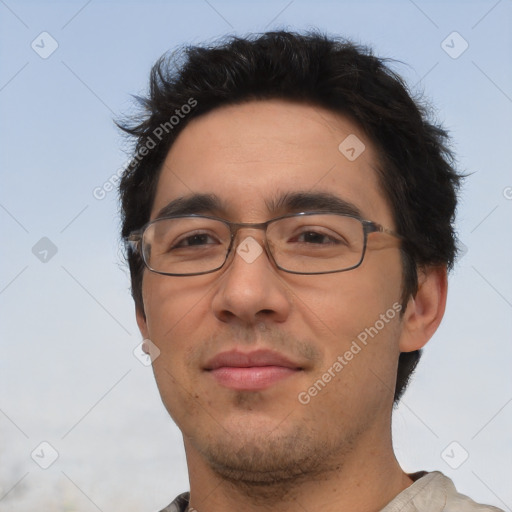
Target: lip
column 253, row 371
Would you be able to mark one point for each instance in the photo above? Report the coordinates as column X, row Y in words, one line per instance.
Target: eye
column 317, row 235
column 314, row 237
column 194, row 240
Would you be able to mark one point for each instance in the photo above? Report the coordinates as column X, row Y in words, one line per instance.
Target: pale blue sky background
column 67, row 372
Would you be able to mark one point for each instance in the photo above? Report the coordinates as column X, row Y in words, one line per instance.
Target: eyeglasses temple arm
column 134, row 240
column 374, row 227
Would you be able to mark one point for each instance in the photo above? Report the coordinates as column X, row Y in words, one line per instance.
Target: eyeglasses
column 299, row 243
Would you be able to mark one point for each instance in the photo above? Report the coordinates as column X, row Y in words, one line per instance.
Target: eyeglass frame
column 135, row 239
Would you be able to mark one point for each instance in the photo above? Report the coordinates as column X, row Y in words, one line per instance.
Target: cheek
column 355, row 317
column 171, row 304
column 173, row 308
column 344, row 304
column 358, row 332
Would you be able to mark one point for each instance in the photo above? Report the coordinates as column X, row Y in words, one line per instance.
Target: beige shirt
column 432, row 492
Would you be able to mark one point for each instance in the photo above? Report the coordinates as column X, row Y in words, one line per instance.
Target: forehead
column 253, row 154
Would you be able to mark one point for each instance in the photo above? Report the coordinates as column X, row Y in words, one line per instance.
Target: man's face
column 264, row 424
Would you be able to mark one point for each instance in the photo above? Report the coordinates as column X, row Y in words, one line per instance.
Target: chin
column 259, row 451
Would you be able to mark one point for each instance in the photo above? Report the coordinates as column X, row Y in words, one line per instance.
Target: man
column 289, row 218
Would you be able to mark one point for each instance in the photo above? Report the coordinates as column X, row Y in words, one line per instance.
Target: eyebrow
column 290, row 202
column 193, row 204
column 295, row 202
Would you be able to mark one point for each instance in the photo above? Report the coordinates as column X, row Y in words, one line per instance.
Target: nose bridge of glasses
column 240, row 231
column 249, row 241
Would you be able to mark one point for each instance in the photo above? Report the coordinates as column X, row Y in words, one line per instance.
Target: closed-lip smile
column 250, row 371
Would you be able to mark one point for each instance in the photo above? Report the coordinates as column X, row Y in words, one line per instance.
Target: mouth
column 254, row 371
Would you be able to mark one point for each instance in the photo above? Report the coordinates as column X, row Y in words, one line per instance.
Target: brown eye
column 197, row 240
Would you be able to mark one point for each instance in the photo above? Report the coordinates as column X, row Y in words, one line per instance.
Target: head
column 257, row 124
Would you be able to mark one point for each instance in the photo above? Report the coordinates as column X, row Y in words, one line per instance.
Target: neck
column 363, row 481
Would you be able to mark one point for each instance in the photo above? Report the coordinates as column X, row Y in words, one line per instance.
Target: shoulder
column 435, row 492
column 180, row 504
column 456, row 501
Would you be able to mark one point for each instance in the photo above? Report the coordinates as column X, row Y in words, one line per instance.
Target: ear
column 142, row 322
column 425, row 310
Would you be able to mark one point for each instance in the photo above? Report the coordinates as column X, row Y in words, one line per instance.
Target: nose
column 251, row 289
